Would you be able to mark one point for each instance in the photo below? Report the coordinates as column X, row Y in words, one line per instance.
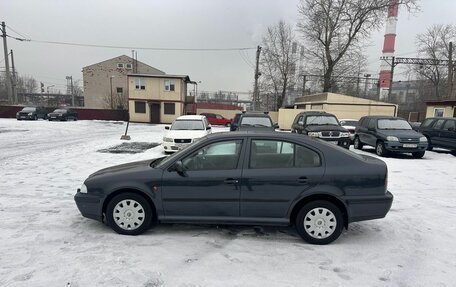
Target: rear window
column 256, row 121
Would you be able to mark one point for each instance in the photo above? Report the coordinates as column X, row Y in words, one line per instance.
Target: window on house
column 438, row 112
column 170, row 108
column 120, row 65
column 140, row 84
column 128, row 66
column 169, row 85
column 119, row 90
column 140, row 107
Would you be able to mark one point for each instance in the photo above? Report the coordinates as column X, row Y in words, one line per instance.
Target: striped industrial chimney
column 388, row 49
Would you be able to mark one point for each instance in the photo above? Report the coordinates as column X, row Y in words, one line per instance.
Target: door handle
column 231, row 180
column 303, row 179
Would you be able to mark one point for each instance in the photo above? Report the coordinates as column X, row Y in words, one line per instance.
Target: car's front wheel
column 129, row 213
column 319, row 222
column 380, row 149
column 357, row 143
column 419, row 154
column 429, row 147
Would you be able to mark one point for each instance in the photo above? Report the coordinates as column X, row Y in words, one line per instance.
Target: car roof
column 253, row 132
column 190, row 117
column 348, row 120
column 440, row 118
column 314, row 113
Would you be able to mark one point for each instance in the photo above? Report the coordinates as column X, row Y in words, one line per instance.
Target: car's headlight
column 30, row 114
column 423, row 139
column 83, row 189
column 313, row 134
column 344, row 135
column 165, row 139
column 17, row 113
column 392, row 139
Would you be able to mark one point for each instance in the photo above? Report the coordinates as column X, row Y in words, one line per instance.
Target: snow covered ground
column 44, row 241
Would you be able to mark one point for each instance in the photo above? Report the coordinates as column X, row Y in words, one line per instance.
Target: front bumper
column 343, row 142
column 24, row 117
column 89, row 205
column 173, row 147
column 368, row 207
column 399, row 147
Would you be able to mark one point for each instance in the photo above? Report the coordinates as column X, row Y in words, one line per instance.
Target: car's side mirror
column 167, row 128
column 451, row 129
column 276, row 125
column 178, row 166
column 208, row 128
column 300, row 123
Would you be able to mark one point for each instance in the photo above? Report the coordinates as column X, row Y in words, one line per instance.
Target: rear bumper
column 368, row 207
column 89, row 205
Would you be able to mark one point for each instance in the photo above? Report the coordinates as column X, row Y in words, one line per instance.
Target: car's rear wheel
column 357, row 144
column 419, row 154
column 380, row 149
column 129, row 213
column 319, row 222
column 35, row 118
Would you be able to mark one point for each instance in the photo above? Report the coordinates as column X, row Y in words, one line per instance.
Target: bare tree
column 278, row 62
column 434, row 44
column 333, row 28
column 115, row 101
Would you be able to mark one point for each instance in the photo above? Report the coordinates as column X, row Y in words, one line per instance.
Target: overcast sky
column 172, row 24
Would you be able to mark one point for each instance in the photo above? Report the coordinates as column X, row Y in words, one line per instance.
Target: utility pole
column 393, row 64
column 367, row 76
column 450, row 71
column 13, row 79
column 7, row 72
column 304, row 80
column 357, row 84
column 256, row 95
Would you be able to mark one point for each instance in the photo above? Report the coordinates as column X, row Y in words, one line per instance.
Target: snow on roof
column 190, row 117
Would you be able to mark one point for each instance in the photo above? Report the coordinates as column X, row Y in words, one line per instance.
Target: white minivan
column 185, row 130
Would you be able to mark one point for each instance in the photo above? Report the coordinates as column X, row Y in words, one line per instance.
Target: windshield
column 256, row 121
column 187, row 125
column 60, row 111
column 349, row 123
column 28, row 109
column 321, row 120
column 393, row 124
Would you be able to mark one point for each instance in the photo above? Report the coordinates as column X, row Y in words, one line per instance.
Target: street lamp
column 196, row 91
column 110, row 81
column 47, row 89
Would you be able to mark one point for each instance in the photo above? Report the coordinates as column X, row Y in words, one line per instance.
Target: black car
column 252, row 121
column 440, row 132
column 389, row 134
column 31, row 113
column 242, row 178
column 63, row 114
column 324, row 126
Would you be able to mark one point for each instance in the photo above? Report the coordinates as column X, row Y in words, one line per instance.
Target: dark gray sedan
column 243, row 178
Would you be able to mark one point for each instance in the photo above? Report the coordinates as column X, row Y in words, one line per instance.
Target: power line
column 22, row 35
column 135, row 48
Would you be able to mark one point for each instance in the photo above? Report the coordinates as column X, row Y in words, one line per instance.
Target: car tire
column 453, row 152
column 319, row 222
column 35, row 118
column 357, row 144
column 129, row 214
column 380, row 149
column 418, row 154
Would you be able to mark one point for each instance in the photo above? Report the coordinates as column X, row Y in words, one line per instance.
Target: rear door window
column 438, row 125
column 372, row 123
column 427, row 123
column 449, row 125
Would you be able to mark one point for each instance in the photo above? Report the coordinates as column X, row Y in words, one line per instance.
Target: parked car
column 324, row 126
column 350, row 126
column 389, row 134
column 242, row 178
column 415, row 126
column 184, row 131
column 63, row 114
column 216, row 119
column 253, row 121
column 31, row 113
column 440, row 132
